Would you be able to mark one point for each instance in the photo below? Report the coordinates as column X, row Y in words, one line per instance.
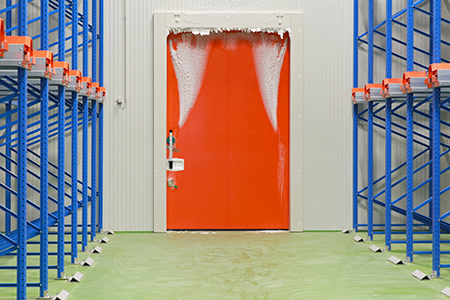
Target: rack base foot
column 63, row 277
column 47, row 296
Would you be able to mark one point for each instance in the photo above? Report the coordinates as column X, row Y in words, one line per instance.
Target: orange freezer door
column 236, row 173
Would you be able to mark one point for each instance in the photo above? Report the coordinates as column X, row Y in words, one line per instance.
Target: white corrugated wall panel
column 128, row 132
column 119, row 210
column 327, row 111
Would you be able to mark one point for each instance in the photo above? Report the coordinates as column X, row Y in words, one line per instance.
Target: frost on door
column 228, row 108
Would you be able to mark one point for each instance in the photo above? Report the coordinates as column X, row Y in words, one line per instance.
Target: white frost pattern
column 210, row 31
column 268, row 57
column 189, row 57
column 282, row 156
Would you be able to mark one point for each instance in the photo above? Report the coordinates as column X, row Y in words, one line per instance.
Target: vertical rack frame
column 413, row 99
column 54, row 101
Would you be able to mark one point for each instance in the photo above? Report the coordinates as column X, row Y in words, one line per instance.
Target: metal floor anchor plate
column 104, row 240
column 63, row 295
column 446, row 291
column 358, row 239
column 88, row 262
column 375, row 249
column 396, row 261
column 420, row 275
column 97, row 249
column 77, row 277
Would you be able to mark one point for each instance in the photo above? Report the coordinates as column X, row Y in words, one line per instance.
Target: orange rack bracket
column 414, row 82
column 95, row 92
column 372, row 92
column 74, row 81
column 3, row 43
column 390, row 88
column 61, row 72
column 20, row 53
column 86, row 86
column 44, row 64
column 102, row 92
column 358, row 95
column 438, row 75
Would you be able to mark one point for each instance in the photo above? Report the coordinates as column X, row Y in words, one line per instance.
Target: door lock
column 173, row 164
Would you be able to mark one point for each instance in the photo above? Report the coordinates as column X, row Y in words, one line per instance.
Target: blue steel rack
column 33, row 86
column 418, row 94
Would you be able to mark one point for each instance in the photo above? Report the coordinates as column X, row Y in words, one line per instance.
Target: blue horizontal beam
column 395, row 170
column 13, row 285
column 53, row 165
column 395, row 54
column 28, row 267
column 10, row 8
column 400, row 134
column 5, row 237
column 420, row 32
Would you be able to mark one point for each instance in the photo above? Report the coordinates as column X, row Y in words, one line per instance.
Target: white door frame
column 290, row 21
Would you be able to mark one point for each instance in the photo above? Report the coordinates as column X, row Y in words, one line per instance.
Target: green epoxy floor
column 243, row 265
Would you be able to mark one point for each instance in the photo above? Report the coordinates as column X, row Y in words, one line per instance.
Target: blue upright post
column 94, row 171
column 430, row 170
column 370, row 130
column 94, row 41
column 355, row 117
column 370, row 171
column 388, row 179
column 8, row 16
column 370, row 44
column 94, row 127
column 22, row 165
column 85, row 127
column 8, row 144
column 388, row 168
column 43, row 291
column 74, row 220
column 436, row 149
column 8, row 167
column 431, row 31
column 61, row 144
column 100, row 121
column 355, row 167
column 409, row 137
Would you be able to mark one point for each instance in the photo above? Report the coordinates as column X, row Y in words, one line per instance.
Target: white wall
column 327, row 109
